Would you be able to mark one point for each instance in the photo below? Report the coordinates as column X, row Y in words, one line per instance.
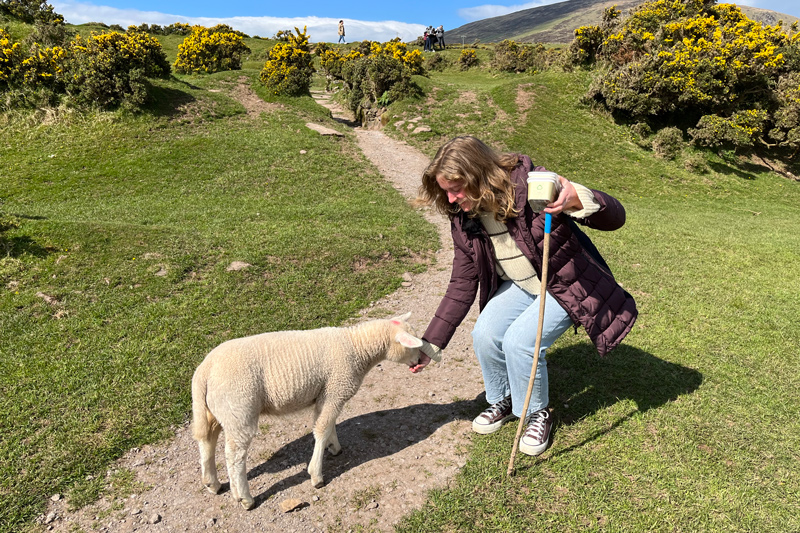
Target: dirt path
column 402, row 434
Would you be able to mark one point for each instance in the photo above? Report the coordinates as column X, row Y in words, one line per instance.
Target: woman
column 341, row 31
column 498, row 242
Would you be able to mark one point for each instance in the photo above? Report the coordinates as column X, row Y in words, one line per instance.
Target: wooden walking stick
column 542, row 298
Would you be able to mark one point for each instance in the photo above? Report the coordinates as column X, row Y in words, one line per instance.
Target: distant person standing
column 341, row 31
column 440, row 36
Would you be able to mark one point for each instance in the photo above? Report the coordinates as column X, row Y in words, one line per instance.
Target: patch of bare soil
column 402, row 434
column 250, row 100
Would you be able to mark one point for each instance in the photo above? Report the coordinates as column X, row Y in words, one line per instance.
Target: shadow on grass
column 363, row 438
column 743, row 171
column 167, row 101
column 19, row 246
column 587, row 383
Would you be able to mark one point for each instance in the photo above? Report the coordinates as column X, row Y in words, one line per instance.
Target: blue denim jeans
column 504, row 340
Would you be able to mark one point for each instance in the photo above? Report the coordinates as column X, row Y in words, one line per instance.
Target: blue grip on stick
column 547, row 220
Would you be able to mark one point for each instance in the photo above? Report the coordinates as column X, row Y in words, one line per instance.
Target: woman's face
column 455, row 192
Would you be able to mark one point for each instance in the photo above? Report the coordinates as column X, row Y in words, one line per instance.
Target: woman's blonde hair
column 485, row 174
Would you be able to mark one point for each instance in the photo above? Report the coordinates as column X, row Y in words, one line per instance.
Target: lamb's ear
column 403, row 318
column 408, row 340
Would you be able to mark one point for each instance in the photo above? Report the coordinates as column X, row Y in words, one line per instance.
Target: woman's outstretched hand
column 422, row 363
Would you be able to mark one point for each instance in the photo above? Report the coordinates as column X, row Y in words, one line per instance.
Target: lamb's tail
column 204, row 423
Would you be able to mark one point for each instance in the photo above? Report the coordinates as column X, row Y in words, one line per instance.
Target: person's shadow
column 581, row 383
column 578, row 378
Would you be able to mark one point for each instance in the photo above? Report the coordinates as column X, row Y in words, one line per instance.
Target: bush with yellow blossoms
column 467, row 59
column 11, row 58
column 103, row 70
column 110, row 69
column 45, row 67
column 206, row 50
column 705, row 68
column 289, row 66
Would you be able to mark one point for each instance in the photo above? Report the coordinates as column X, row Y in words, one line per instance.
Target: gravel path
column 402, row 434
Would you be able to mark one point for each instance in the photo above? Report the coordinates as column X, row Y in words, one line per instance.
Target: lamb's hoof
column 335, row 451
column 247, row 503
column 318, row 483
column 213, row 488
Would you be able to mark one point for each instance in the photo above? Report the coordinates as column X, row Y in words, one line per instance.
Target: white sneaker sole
column 485, row 429
column 529, row 449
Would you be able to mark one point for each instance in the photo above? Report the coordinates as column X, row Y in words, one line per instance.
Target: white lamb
column 281, row 372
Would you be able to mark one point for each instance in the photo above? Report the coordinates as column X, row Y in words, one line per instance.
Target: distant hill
column 556, row 23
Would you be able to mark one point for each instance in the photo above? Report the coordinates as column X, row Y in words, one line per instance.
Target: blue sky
column 374, row 20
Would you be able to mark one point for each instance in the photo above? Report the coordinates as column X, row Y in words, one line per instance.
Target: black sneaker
column 537, row 435
column 493, row 418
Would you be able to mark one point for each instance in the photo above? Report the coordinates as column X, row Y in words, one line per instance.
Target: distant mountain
column 556, row 23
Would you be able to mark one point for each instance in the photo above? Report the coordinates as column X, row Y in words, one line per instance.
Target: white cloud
column 319, row 29
column 471, row 14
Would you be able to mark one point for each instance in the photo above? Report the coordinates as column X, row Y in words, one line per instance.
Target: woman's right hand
column 422, row 363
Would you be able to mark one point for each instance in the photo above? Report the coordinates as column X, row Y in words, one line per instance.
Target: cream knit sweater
column 511, row 264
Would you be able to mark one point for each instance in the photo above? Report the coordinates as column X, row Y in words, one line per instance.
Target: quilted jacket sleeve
column 458, row 298
column 610, row 216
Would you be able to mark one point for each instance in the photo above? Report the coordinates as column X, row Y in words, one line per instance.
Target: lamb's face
column 405, row 348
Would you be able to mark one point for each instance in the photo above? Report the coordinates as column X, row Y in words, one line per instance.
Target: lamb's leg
column 208, row 461
column 236, row 457
column 333, row 441
column 324, row 431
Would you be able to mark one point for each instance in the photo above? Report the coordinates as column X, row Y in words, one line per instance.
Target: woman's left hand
column 567, row 199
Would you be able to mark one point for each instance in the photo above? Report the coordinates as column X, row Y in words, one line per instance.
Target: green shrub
column 668, row 143
column 47, row 34
column 510, row 56
column 786, row 120
column 740, row 130
column 641, row 133
column 505, row 56
column 30, row 11
column 207, row 51
column 435, row 62
column 373, row 78
column 695, row 163
column 289, row 66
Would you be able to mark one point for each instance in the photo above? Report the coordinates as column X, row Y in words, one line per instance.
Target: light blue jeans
column 504, row 340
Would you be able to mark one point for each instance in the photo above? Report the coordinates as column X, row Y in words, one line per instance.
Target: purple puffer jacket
column 578, row 277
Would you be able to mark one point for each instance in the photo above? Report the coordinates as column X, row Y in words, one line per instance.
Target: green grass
column 692, row 424
column 116, row 285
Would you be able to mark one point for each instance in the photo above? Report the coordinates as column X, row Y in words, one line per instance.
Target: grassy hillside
column 117, row 282
column 691, row 425
column 556, row 23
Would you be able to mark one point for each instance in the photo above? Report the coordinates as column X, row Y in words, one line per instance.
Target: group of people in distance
column 432, row 36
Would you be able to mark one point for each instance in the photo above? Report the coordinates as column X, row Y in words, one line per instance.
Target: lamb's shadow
column 364, row 438
column 578, row 378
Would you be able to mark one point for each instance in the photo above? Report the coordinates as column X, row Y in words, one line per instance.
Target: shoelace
column 497, row 409
column 536, row 425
